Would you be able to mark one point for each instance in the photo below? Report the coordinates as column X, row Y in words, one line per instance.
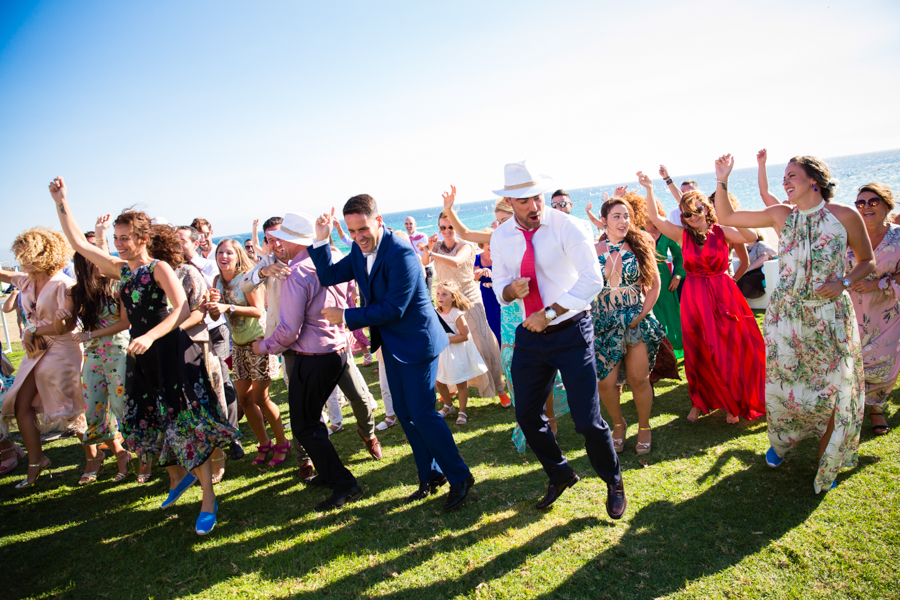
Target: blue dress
column 491, row 306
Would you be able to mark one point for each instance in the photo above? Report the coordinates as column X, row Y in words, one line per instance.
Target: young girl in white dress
column 460, row 362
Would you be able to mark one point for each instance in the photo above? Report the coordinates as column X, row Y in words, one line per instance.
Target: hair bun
column 832, row 184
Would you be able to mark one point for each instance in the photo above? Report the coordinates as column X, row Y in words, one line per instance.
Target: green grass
column 706, row 519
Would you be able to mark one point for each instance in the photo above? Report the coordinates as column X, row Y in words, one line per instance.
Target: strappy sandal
column 332, row 429
column 120, row 475
column 879, row 429
column 283, row 450
column 619, row 443
column 41, row 468
column 90, row 477
column 462, row 418
column 367, row 361
column 10, row 464
column 446, row 411
column 262, row 454
column 145, row 477
column 643, row 448
column 218, row 475
column 389, row 421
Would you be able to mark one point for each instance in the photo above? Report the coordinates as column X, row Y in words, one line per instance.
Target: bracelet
column 722, row 182
column 90, row 335
column 668, row 181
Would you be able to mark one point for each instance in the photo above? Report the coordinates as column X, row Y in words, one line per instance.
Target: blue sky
column 238, row 110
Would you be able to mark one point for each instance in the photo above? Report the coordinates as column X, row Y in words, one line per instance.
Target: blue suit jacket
column 398, row 309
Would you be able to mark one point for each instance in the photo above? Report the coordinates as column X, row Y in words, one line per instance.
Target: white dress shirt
column 567, row 268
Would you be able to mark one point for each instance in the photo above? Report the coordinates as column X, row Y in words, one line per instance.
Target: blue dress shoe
column 206, row 521
column 772, row 459
column 181, row 488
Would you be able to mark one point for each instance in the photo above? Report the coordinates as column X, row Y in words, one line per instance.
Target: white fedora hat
column 297, row 229
column 519, row 181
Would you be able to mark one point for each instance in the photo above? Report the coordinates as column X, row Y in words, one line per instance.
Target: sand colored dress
column 59, row 403
column 814, row 362
column 878, row 318
column 491, row 383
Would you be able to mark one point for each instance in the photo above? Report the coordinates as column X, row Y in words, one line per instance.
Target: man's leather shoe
column 555, row 491
column 339, row 499
column 427, row 488
column 237, row 451
column 315, row 480
column 372, row 445
column 458, row 493
column 306, row 472
column 615, row 500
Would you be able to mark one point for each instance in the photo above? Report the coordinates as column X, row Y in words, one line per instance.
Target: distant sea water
column 850, row 171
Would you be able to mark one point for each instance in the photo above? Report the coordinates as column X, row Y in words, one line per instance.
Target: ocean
column 850, row 171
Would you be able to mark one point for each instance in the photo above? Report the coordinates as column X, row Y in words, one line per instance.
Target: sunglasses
column 559, row 204
column 872, row 202
column 688, row 215
column 446, row 227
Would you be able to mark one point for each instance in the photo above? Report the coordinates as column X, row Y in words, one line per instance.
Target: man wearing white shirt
column 416, row 238
column 545, row 262
column 206, row 248
column 219, row 335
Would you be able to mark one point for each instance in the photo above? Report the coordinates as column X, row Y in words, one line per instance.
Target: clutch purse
column 39, row 347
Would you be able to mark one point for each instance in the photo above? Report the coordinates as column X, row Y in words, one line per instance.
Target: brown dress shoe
column 306, row 471
column 372, row 445
column 615, row 500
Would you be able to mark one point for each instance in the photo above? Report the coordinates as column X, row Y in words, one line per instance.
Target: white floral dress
column 813, row 358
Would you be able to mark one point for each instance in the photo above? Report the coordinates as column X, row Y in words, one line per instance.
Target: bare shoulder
column 849, row 217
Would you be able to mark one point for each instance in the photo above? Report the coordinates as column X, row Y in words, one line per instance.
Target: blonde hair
column 244, row 264
column 459, row 299
column 46, row 250
column 503, row 206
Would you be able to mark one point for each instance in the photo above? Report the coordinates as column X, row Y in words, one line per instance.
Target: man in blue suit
column 398, row 311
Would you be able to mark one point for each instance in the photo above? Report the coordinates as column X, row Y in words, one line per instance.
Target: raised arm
column 772, row 216
column 597, row 222
column 763, row 179
column 254, row 239
column 108, row 265
column 667, row 228
column 476, row 237
column 104, row 223
column 676, row 191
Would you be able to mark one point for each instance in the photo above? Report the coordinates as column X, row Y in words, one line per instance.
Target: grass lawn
column 706, row 519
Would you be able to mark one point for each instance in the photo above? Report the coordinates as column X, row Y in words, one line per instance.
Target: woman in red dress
column 724, row 352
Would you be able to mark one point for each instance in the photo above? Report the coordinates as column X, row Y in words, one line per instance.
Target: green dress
column 667, row 308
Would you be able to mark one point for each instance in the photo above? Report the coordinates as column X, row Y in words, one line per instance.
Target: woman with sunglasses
column 724, row 353
column 454, row 260
column 876, row 300
column 814, row 375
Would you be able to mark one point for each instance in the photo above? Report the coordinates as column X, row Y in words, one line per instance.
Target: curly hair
column 711, row 219
column 816, row 169
column 642, row 245
column 638, row 208
column 46, row 250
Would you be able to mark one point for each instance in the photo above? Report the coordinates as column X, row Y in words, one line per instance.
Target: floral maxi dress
column 813, row 359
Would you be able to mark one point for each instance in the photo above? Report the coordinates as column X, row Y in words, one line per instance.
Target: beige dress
column 491, row 383
column 57, row 372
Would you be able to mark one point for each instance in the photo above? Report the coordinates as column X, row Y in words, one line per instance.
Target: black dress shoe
column 615, row 500
column 339, row 499
column 237, row 451
column 315, row 480
column 458, row 493
column 427, row 488
column 555, row 491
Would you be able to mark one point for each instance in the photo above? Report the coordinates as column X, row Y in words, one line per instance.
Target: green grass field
column 706, row 519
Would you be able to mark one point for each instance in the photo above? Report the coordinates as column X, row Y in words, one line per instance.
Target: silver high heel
column 41, row 468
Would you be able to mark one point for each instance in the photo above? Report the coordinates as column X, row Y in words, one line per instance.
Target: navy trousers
column 536, row 359
column 412, row 390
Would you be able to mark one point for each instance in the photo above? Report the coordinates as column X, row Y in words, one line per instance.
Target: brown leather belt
column 566, row 323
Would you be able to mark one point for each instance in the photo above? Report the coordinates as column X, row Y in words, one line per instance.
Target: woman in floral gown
column 877, row 301
column 169, row 410
column 626, row 335
column 814, row 374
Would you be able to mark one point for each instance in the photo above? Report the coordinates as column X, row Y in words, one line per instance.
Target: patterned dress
column 171, row 410
column 878, row 318
column 814, row 362
column 244, row 364
column 103, row 379
column 615, row 308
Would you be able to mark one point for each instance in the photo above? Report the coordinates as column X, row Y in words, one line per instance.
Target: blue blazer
column 398, row 308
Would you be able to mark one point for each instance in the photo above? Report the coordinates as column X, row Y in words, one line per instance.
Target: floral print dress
column 103, row 379
column 614, row 309
column 171, row 409
column 878, row 318
column 813, row 356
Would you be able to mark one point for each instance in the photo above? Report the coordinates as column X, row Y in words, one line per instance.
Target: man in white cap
column 544, row 261
column 320, row 351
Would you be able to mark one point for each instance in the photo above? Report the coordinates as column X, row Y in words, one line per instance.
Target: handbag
column 39, row 344
column 6, row 366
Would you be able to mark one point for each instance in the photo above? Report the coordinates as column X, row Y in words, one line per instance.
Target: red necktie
column 532, row 301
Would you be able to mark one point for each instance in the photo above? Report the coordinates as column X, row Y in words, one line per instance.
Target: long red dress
column 724, row 352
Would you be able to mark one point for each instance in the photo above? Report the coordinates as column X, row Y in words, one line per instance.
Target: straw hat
column 522, row 182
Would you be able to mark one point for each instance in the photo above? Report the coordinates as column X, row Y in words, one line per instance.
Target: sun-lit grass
column 706, row 519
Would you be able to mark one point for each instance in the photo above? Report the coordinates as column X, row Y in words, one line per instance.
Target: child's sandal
column 462, row 418
column 446, row 411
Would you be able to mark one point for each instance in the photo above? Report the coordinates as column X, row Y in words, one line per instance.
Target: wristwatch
column 33, row 329
column 884, row 282
column 845, row 282
column 230, row 309
column 550, row 313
